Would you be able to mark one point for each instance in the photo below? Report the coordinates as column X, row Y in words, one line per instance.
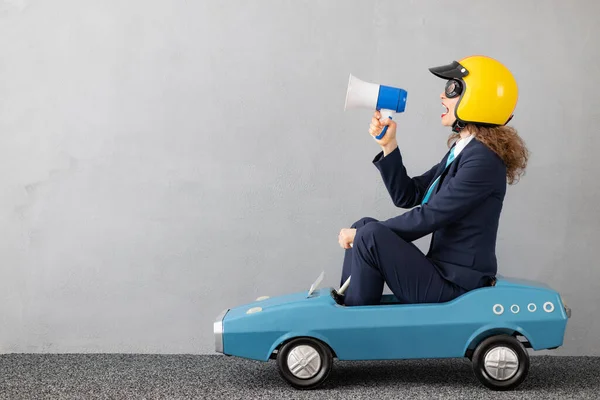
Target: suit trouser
column 380, row 256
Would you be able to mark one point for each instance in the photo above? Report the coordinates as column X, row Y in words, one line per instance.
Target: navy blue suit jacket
column 462, row 213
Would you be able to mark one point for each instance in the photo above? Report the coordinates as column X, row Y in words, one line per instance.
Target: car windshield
column 316, row 284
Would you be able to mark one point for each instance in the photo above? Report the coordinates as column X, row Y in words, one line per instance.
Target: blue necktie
column 433, row 185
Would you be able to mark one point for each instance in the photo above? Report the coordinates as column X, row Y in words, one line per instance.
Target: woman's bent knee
column 362, row 222
column 371, row 229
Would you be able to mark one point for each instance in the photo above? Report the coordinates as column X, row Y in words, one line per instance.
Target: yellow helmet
column 489, row 90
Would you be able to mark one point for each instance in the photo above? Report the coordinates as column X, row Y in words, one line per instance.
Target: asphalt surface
column 119, row 376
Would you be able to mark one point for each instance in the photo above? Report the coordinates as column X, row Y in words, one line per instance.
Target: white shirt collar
column 461, row 144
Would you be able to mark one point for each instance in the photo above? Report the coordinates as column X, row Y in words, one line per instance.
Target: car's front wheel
column 304, row 363
column 501, row 362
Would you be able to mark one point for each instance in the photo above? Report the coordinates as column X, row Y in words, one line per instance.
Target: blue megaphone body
column 386, row 99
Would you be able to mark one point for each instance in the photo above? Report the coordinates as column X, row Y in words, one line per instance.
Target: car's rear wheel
column 304, row 363
column 501, row 362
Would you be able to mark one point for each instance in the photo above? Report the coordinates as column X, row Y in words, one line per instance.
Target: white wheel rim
column 501, row 363
column 304, row 362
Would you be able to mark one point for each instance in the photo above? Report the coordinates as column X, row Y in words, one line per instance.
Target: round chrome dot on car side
column 498, row 309
column 304, row 362
column 515, row 309
column 501, row 363
column 531, row 307
column 254, row 310
column 548, row 307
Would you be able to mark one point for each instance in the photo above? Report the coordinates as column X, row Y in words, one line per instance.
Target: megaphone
column 386, row 99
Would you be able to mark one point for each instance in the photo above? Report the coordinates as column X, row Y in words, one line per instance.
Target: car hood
column 298, row 299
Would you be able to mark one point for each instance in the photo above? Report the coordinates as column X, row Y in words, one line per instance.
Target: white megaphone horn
column 386, row 99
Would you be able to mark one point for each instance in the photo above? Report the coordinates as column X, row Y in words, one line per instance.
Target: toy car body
column 491, row 325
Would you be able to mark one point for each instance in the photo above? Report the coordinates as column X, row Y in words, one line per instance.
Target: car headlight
column 218, row 330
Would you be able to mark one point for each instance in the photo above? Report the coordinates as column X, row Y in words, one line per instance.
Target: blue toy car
column 304, row 332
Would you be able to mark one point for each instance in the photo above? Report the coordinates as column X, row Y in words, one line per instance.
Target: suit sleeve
column 406, row 192
column 472, row 184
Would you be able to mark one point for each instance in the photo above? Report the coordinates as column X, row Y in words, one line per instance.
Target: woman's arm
column 474, row 181
column 406, row 192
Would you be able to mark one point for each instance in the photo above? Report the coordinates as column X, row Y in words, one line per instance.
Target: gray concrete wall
column 163, row 160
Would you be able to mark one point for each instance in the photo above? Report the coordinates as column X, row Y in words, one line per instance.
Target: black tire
column 497, row 345
column 317, row 377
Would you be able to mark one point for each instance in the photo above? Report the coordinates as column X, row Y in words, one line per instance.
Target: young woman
column 458, row 200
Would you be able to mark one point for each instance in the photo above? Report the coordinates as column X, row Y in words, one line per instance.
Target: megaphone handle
column 384, row 114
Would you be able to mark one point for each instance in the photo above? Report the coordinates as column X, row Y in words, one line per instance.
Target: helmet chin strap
column 458, row 126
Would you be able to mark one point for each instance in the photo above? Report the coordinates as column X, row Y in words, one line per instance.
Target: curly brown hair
column 506, row 143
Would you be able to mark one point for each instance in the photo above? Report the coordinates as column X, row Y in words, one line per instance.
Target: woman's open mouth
column 444, row 114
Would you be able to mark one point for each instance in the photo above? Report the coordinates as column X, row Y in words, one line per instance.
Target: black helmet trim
column 451, row 71
column 459, row 124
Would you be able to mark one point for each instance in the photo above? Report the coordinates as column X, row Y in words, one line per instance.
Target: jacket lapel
column 452, row 166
